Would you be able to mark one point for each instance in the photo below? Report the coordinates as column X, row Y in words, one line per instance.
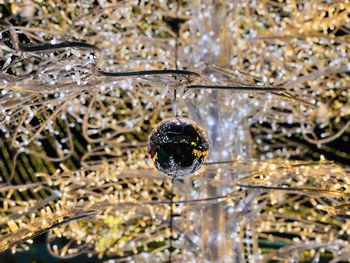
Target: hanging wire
column 171, row 220
column 171, row 227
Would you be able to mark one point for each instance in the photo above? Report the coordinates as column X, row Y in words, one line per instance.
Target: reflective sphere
column 178, row 147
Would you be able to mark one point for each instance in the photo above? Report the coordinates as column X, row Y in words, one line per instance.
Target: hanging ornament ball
column 178, row 147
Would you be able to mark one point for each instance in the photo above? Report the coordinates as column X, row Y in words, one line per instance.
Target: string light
column 83, row 84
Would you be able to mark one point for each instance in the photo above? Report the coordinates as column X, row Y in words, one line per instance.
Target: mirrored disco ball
column 178, row 147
